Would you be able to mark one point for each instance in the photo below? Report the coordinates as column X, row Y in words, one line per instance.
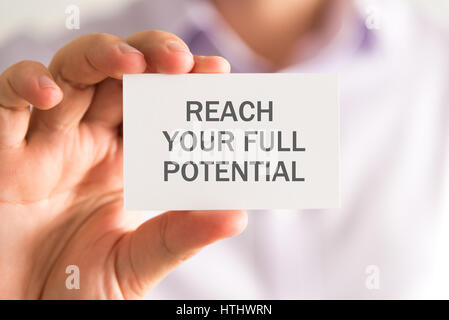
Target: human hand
column 61, row 197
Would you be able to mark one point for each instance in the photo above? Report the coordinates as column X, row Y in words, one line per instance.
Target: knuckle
column 160, row 33
column 22, row 69
column 102, row 37
column 176, row 255
column 155, row 34
column 164, row 225
column 27, row 65
column 91, row 40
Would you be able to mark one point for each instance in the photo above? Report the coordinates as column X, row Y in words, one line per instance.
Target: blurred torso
column 394, row 164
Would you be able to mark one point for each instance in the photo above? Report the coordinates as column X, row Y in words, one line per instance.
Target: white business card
column 231, row 141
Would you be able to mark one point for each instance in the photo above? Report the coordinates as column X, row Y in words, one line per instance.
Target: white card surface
column 231, row 141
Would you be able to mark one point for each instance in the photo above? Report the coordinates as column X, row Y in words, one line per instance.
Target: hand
column 61, row 175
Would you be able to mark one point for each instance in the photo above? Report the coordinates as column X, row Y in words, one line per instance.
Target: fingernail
column 176, row 46
column 126, row 48
column 47, row 82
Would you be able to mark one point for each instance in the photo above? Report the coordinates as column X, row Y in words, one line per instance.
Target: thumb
column 146, row 255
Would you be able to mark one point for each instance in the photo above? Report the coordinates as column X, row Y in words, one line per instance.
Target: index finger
column 94, row 57
column 76, row 68
column 164, row 52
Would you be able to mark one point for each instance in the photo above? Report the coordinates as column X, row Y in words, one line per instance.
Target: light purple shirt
column 390, row 239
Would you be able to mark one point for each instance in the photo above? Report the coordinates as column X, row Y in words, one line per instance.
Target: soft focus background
column 415, row 79
column 48, row 16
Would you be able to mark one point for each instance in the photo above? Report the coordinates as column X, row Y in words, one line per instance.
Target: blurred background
column 394, row 85
column 47, row 16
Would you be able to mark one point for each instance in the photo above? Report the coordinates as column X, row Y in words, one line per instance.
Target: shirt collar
column 325, row 51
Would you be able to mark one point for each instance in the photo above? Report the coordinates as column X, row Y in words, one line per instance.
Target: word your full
column 225, row 140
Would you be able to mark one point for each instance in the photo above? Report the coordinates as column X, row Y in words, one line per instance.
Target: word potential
column 225, row 140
